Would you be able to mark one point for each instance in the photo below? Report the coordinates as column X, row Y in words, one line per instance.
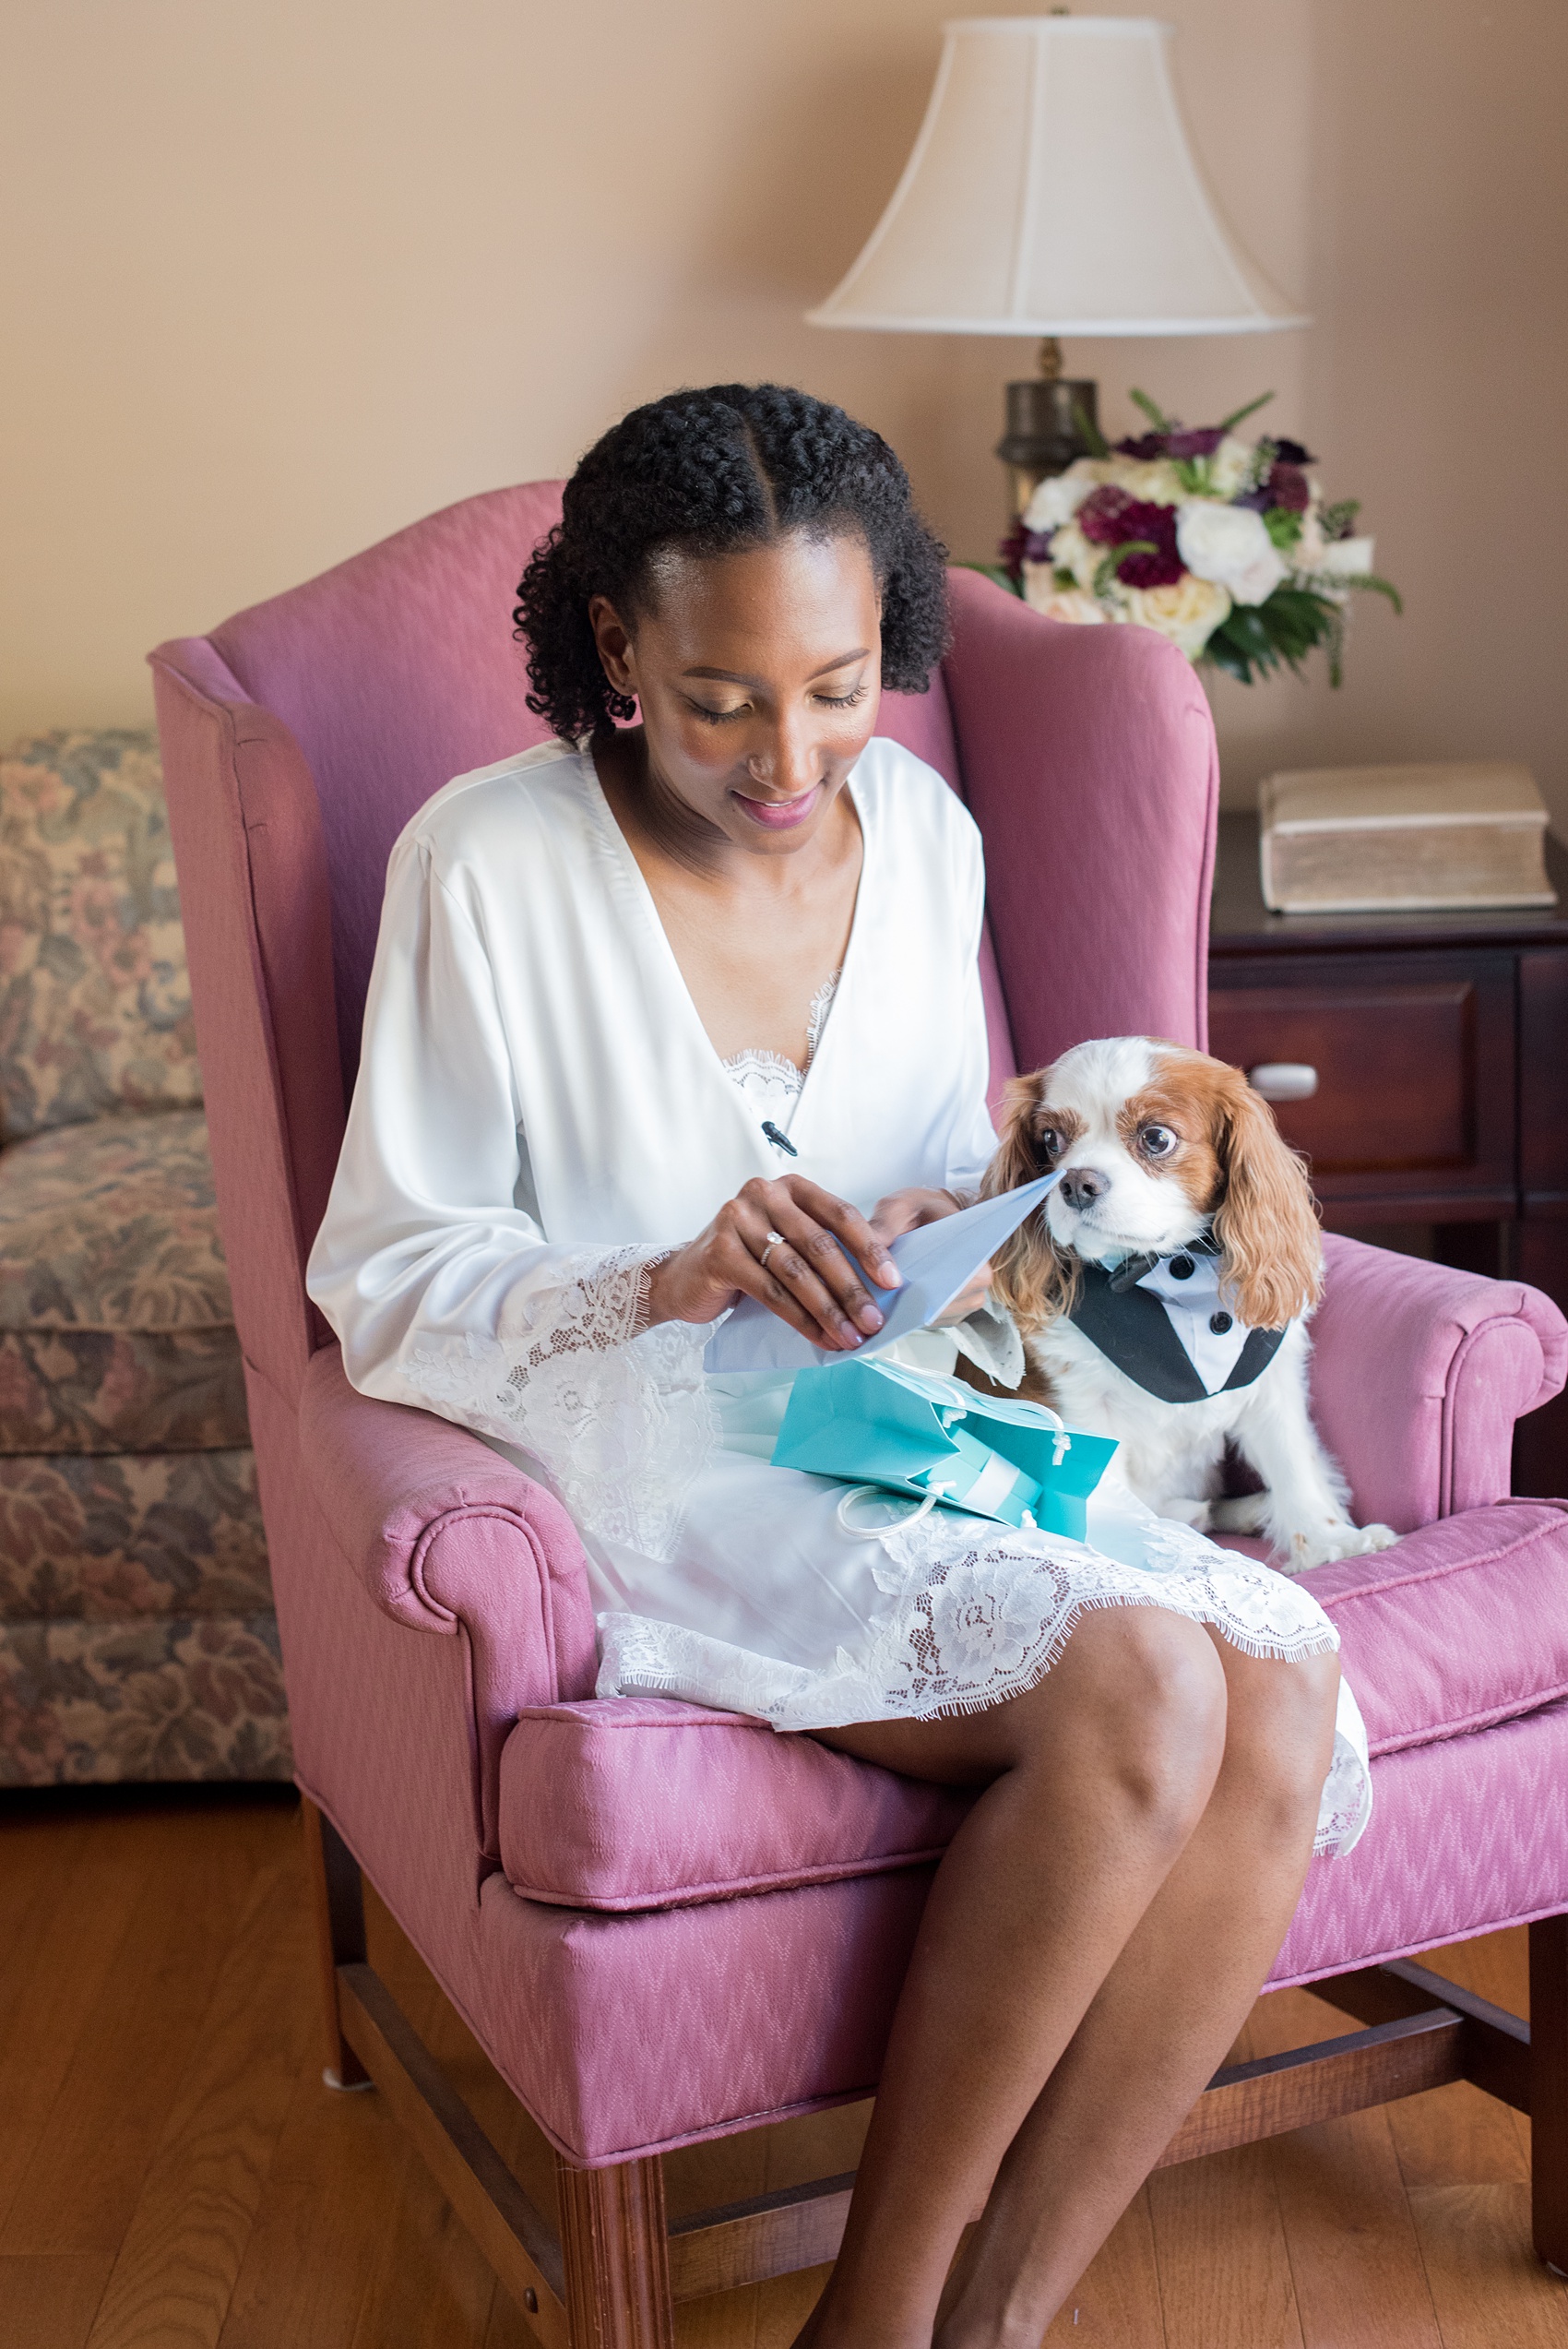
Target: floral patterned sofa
column 138, row 1638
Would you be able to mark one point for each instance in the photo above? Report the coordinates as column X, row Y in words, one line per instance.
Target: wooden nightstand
column 1440, row 1123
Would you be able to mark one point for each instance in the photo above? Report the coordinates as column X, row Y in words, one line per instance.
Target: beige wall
column 275, row 281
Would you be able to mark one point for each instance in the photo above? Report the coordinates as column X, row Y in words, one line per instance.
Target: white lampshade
column 1051, row 191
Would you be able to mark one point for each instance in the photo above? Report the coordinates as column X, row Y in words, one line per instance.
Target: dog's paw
column 1328, row 1543
column 1240, row 1513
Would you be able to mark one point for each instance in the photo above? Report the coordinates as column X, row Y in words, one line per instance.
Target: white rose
column 1229, row 545
column 1188, row 612
column 1057, row 500
column 1043, row 594
column 1071, row 551
column 1347, row 557
column 1154, row 478
column 1230, row 465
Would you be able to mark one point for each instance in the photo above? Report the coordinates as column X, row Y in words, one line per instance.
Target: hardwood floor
column 174, row 2175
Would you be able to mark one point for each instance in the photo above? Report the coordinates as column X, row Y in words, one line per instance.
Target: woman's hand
column 906, row 1212
column 808, row 1280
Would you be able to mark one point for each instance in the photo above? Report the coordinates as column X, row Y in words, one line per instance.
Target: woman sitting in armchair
column 671, row 1014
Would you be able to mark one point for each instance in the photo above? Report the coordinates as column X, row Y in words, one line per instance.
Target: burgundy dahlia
column 1023, row 545
column 1108, row 518
column 1100, row 516
column 1201, row 441
column 1287, row 486
column 1143, row 448
column 1010, row 553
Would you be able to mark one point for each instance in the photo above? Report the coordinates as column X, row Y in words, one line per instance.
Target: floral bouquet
column 1223, row 544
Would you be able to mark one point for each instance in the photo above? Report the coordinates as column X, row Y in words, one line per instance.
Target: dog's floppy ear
column 1034, row 1279
column 1267, row 1223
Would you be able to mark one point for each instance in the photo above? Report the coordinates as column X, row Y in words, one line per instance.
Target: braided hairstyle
column 715, row 472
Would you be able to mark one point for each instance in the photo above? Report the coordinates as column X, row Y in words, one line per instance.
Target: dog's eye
column 1156, row 1141
column 1050, row 1140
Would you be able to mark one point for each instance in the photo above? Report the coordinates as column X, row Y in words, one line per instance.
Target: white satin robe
column 539, row 1113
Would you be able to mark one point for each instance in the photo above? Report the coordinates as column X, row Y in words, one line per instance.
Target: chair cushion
column 1468, row 1834
column 644, row 1802
column 1457, row 1627
column 648, row 1803
column 116, row 1331
column 95, row 1003
column 627, row 2034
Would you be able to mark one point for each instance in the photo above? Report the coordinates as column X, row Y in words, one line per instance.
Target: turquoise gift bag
column 871, row 1423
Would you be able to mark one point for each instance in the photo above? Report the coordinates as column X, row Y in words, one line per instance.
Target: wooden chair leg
column 1548, row 2090
column 338, row 1899
column 616, row 2250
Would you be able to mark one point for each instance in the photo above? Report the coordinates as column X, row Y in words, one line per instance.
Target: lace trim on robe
column 617, row 1415
column 976, row 1620
column 773, row 1076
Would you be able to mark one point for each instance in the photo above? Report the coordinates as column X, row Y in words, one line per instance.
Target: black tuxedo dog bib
column 1162, row 1322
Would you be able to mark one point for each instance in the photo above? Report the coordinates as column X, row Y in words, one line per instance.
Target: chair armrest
column 1089, row 765
column 1419, row 1372
column 447, row 1536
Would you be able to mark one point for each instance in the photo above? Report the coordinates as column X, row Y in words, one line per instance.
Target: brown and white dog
column 1163, row 1288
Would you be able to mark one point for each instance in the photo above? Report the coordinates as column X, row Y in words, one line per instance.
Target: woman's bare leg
column 1165, row 2017
column 1049, row 1910
column 1099, row 1776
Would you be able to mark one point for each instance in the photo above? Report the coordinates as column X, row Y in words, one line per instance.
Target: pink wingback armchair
column 663, row 1923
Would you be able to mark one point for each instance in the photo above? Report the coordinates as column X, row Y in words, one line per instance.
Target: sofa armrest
column 447, row 1536
column 1418, row 1374
column 1089, row 765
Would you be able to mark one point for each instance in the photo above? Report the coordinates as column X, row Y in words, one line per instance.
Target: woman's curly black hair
column 715, row 472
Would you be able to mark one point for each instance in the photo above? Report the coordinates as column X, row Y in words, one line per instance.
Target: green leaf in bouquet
column 1109, row 566
column 1242, row 643
column 1283, row 527
column 1063, row 578
column 1156, row 416
column 1335, row 642
column 1378, row 587
column 1340, row 522
column 1296, row 619
column 1238, row 414
column 1089, row 432
column 1254, row 639
column 1225, row 652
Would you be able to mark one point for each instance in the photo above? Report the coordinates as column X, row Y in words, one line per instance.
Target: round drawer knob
column 1284, row 1080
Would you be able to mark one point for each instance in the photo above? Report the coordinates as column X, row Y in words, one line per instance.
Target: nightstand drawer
column 1415, row 1069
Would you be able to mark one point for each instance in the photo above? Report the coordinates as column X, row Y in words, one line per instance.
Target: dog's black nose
column 1081, row 1185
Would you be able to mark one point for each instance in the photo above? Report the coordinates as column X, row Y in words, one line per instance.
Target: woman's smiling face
column 758, row 675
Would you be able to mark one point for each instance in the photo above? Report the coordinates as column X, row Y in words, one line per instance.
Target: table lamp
column 1052, row 192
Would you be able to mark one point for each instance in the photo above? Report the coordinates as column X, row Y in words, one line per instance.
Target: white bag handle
column 1062, row 1441
column 895, row 1525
